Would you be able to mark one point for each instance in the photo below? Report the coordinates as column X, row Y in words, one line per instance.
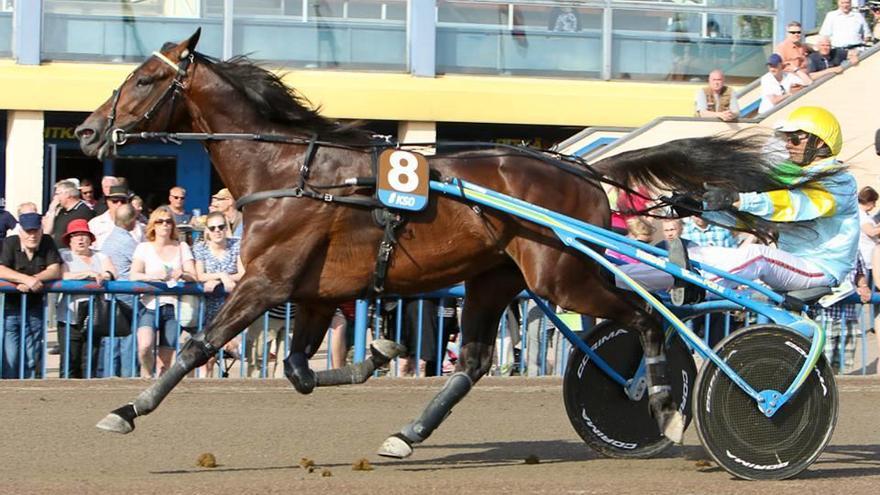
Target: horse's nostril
column 84, row 132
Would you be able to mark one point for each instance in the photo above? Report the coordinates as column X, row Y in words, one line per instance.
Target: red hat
column 77, row 226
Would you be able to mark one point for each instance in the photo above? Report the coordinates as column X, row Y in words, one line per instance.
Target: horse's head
column 150, row 99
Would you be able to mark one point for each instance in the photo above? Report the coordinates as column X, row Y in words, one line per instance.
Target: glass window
column 124, row 31
column 751, row 4
column 352, row 34
column 6, row 28
column 673, row 46
column 526, row 39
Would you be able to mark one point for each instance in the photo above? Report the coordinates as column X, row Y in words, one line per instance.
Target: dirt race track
column 259, row 431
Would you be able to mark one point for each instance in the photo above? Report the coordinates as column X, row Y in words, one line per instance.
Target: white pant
column 778, row 269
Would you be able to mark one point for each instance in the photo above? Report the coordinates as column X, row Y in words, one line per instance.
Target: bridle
column 116, row 136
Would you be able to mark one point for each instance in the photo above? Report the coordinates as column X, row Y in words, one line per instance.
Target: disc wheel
column 599, row 409
column 741, row 438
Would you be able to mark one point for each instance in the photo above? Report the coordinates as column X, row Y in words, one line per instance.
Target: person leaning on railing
column 717, row 99
column 160, row 259
column 218, row 266
column 80, row 263
column 27, row 260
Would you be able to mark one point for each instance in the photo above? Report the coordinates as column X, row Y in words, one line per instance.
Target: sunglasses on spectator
column 177, row 197
column 167, row 221
column 794, row 32
column 216, row 228
column 116, row 200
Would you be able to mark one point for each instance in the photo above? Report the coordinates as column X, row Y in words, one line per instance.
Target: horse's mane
column 277, row 102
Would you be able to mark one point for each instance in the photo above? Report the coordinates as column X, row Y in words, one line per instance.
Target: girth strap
column 391, row 221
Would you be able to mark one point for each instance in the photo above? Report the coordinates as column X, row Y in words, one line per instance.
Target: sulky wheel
column 601, row 412
column 736, row 434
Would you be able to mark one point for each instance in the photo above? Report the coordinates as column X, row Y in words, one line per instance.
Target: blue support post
column 360, row 330
column 419, row 330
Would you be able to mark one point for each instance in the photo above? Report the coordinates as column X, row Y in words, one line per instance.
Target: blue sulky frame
column 580, row 235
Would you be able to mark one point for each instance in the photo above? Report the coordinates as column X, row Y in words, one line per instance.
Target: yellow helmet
column 818, row 122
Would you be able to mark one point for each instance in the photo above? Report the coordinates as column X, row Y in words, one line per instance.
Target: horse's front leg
column 254, row 295
column 310, row 327
column 310, row 324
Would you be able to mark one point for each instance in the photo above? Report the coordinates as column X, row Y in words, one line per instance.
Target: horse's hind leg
column 255, row 294
column 487, row 296
column 575, row 285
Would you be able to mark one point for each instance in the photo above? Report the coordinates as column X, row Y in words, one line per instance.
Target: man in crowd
column 7, row 221
column 106, row 183
column 101, row 225
column 87, row 193
column 66, row 205
column 119, row 246
column 844, row 26
column 27, row 260
column 672, row 230
column 716, row 99
column 777, row 85
column 176, row 200
column 826, row 60
column 223, row 202
column 792, row 50
column 703, row 233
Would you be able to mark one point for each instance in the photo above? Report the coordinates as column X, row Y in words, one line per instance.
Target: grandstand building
column 423, row 70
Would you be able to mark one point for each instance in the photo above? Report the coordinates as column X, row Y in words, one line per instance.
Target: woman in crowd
column 80, row 263
column 161, row 258
column 218, row 266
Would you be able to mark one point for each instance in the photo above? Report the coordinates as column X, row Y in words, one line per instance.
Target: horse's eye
column 144, row 81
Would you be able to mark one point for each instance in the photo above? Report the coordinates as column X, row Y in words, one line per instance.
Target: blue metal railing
column 529, row 338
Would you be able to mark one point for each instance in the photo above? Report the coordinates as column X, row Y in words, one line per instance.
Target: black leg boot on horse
column 310, row 328
column 488, row 295
column 234, row 316
column 670, row 420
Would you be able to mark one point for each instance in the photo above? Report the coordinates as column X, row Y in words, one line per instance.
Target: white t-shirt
column 844, row 29
column 146, row 252
column 866, row 242
column 771, row 87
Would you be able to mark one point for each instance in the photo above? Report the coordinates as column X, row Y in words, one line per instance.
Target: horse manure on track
column 703, row 463
column 206, row 460
column 325, row 473
column 306, row 463
column 362, row 464
column 532, row 459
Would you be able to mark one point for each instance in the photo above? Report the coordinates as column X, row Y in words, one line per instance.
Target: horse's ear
column 190, row 44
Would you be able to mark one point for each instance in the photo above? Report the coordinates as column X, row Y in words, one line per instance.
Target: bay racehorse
column 319, row 252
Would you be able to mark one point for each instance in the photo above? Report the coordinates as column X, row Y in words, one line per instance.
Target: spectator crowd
column 794, row 64
column 104, row 236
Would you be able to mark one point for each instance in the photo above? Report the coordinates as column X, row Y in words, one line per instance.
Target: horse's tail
column 737, row 162
column 685, row 165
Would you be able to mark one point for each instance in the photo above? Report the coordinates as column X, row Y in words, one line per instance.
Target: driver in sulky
column 818, row 232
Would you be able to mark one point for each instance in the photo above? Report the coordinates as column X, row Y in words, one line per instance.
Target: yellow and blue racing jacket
column 831, row 205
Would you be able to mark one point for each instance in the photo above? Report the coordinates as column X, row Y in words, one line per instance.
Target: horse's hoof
column 116, row 424
column 395, row 447
column 673, row 429
column 386, row 349
column 304, row 381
